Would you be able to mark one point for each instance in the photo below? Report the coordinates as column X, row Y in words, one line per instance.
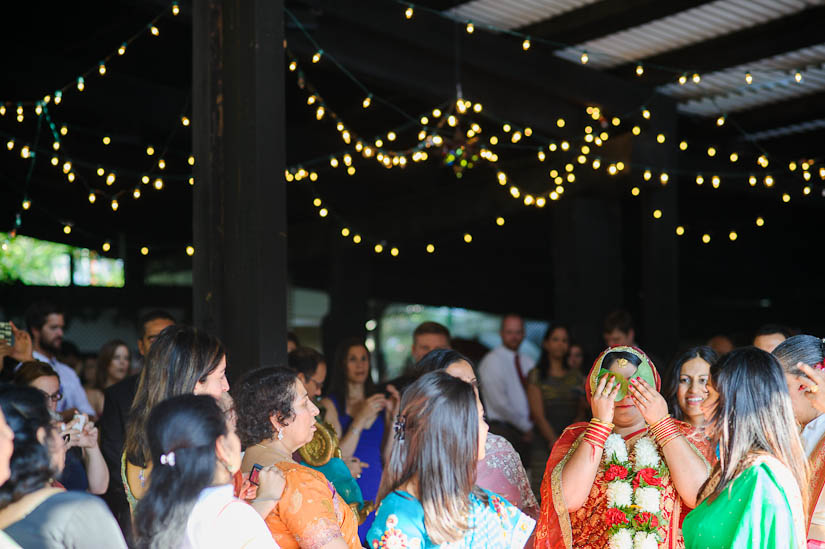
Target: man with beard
column 46, row 324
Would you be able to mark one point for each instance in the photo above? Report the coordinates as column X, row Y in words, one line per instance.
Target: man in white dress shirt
column 503, row 372
column 46, row 323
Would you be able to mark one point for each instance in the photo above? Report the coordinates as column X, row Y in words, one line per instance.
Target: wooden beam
column 239, row 219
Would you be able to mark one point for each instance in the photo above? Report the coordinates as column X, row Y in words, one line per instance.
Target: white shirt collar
column 813, row 433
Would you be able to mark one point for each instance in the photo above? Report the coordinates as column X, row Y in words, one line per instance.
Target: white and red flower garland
column 634, row 499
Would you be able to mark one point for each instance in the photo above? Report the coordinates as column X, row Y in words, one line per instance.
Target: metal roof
column 682, row 29
column 512, row 14
column 774, row 79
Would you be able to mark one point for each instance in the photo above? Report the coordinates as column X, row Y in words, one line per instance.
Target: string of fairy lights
column 437, row 128
column 611, row 168
column 128, row 181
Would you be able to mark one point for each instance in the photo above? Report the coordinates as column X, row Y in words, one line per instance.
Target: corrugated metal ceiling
column 773, row 80
column 512, row 14
column 682, row 29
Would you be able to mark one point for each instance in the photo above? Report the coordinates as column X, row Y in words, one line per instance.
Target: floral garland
column 634, row 496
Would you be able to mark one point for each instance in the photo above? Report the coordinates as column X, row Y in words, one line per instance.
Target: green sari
column 760, row 509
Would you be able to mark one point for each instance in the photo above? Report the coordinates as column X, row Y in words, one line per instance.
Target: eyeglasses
column 55, row 397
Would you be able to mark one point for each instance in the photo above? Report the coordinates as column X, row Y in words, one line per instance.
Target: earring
column 281, row 435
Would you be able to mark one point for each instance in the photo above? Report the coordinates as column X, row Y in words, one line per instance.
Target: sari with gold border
column 586, row 528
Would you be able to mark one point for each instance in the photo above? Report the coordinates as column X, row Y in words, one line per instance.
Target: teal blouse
column 399, row 524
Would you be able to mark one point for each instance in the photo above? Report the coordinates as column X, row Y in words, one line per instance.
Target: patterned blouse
column 501, row 472
column 399, row 524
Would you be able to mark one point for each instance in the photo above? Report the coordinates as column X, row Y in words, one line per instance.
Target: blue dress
column 399, row 523
column 368, row 451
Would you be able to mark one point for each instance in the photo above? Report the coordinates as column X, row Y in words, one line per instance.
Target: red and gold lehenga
column 816, row 504
column 586, row 528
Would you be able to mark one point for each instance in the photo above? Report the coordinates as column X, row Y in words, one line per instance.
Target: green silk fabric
column 754, row 513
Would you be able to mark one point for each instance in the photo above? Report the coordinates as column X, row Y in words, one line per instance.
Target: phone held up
column 253, row 474
column 6, row 333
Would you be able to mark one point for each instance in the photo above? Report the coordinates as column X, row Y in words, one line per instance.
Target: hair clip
column 400, row 425
column 168, row 459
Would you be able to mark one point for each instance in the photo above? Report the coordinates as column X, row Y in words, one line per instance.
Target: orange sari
column 586, row 528
column 310, row 512
column 816, row 530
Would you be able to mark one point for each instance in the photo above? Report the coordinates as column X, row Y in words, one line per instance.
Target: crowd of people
column 723, row 448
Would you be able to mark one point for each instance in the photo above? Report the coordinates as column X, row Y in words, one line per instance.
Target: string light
column 92, row 198
column 711, row 151
column 748, row 78
column 107, row 140
column 733, row 236
column 683, row 145
column 317, row 56
column 636, row 130
column 700, row 180
column 122, row 49
column 144, row 251
column 106, row 246
column 645, row 113
column 154, row 30
column 161, row 164
column 786, row 197
column 110, row 179
column 682, row 80
column 430, row 248
column 640, row 70
column 584, row 58
column 67, row 229
column 660, row 138
column 721, row 120
column 101, row 68
column 70, row 176
column 500, row 221
column 769, row 180
column 175, row 8
column 657, row 214
column 715, row 181
column 560, row 122
column 680, row 231
column 26, row 204
column 663, row 178
column 394, row 252
column 184, row 120
column 752, row 180
column 635, row 191
column 100, row 171
column 526, row 44
column 136, row 193
column 379, row 248
column 356, row 238
column 190, row 251
column 760, row 221
column 81, row 84
column 190, row 160
column 706, row 238
column 158, row 184
column 696, row 78
column 798, row 76
column 367, row 101
column 470, row 27
column 408, row 13
column 115, row 205
column 468, row 238
column 647, row 175
column 734, row 157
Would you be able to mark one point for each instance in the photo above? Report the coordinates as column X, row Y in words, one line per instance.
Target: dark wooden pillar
column 349, row 291
column 587, row 264
column 239, row 218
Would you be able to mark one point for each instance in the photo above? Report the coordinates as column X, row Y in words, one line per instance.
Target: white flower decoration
column 646, row 454
column 644, row 540
column 619, row 494
column 615, row 448
column 647, row 498
column 623, row 539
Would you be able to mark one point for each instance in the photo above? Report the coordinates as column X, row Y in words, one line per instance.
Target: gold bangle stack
column 665, row 430
column 597, row 433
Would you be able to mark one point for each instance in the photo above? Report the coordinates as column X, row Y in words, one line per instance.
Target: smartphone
column 81, row 421
column 6, row 334
column 253, row 474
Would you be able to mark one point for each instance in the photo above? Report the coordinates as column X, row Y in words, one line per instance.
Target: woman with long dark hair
column 802, row 358
column 686, row 390
column 624, row 478
column 500, row 470
column 190, row 502
column 111, row 366
column 360, row 413
column 756, row 495
column 182, row 360
column 33, row 512
column 276, row 417
column 428, row 492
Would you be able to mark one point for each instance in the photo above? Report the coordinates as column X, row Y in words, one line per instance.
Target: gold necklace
column 277, row 452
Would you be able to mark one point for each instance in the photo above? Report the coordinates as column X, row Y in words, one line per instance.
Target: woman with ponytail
column 190, row 502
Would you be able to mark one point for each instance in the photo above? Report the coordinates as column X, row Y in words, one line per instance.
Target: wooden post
column 239, row 217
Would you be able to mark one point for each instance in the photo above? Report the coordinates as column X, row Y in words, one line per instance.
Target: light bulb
column 584, row 58
column 640, row 70
column 92, row 198
column 470, row 27
column 366, row 102
column 122, row 49
column 430, row 248
column 499, row 221
column 154, row 30
column 657, row 214
column 760, row 221
column 106, row 246
column 683, row 145
column 408, row 13
column 184, row 120
column 526, row 44
column 680, row 230
column 144, row 251
column 101, row 68
column 317, row 56
column 190, row 251
column 748, row 78
column 682, row 80
column 720, row 121
column 696, row 78
column 468, row 238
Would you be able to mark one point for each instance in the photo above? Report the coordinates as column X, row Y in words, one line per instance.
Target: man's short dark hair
column 618, row 320
column 290, row 336
column 156, row 314
column 431, row 327
column 769, row 329
column 305, row 360
column 37, row 313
